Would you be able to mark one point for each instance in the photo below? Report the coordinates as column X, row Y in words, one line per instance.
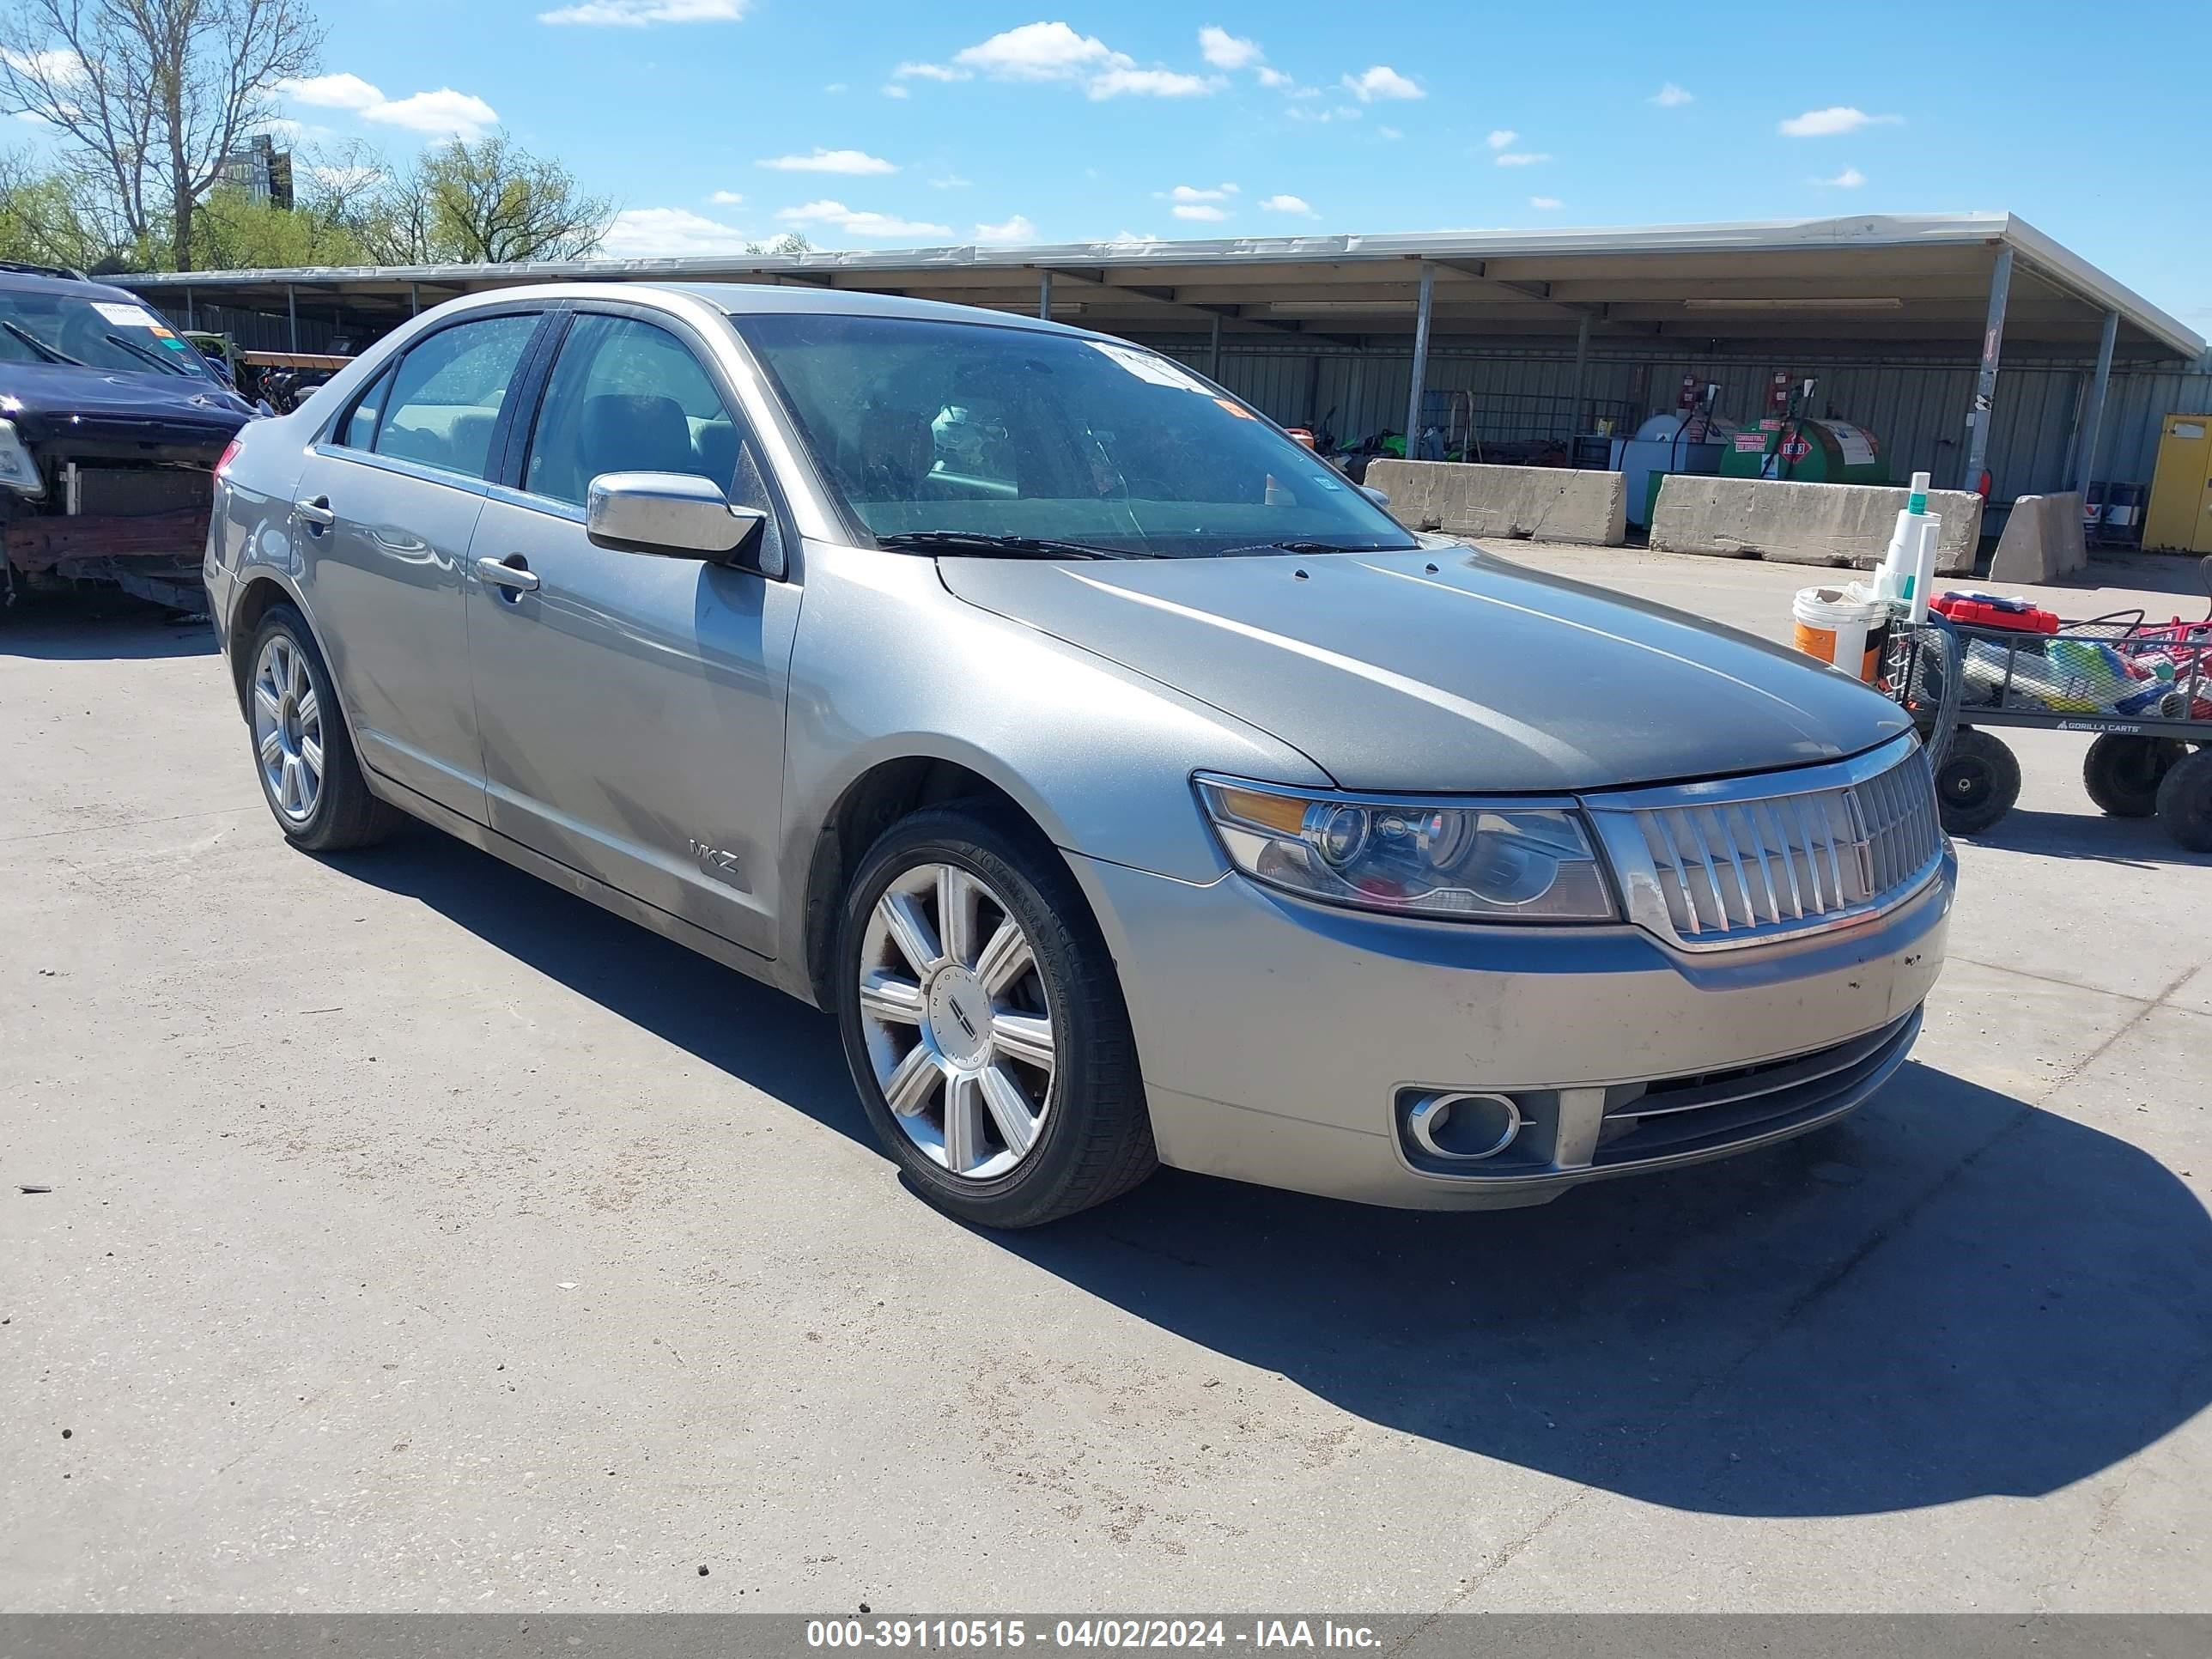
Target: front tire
column 984, row 1024
column 1977, row 783
column 302, row 753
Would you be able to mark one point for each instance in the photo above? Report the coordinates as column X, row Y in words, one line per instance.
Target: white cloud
column 1545, row 203
column 837, row 87
column 1849, row 178
column 346, row 179
column 855, row 222
column 950, row 181
column 1671, row 96
column 1056, row 52
column 892, row 90
column 725, row 198
column 442, row 114
column 645, row 232
column 1335, row 113
column 1153, row 83
column 1288, row 203
column 59, row 67
column 1193, row 193
column 1381, row 81
column 1206, row 212
column 1225, row 51
column 1130, row 238
column 1041, row 52
column 1015, row 232
column 1500, row 138
column 1836, row 118
column 857, row 162
column 1522, row 158
column 332, row 92
column 643, row 14
column 1389, row 132
column 1271, row 77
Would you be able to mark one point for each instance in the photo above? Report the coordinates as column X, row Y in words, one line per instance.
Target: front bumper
column 1282, row 1041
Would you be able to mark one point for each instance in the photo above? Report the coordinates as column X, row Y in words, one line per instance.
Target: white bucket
column 1841, row 631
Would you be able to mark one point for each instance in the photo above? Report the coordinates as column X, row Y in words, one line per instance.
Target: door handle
column 316, row 513
column 513, row 572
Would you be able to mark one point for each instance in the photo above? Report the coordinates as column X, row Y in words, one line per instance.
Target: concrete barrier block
column 1539, row 503
column 1824, row 523
column 2043, row 540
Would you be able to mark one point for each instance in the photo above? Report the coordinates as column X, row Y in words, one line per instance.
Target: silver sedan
column 1131, row 785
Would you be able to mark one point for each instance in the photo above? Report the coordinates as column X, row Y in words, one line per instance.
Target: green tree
column 53, row 216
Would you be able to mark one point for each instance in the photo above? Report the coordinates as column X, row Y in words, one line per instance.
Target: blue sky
column 867, row 123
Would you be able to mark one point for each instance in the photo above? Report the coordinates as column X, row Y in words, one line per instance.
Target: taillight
column 229, row 454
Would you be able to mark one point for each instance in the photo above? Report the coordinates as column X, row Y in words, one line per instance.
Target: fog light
column 1465, row 1128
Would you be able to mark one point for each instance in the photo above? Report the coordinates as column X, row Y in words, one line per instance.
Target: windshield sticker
column 126, row 316
column 173, row 342
column 1236, row 409
column 1146, row 366
column 1325, row 482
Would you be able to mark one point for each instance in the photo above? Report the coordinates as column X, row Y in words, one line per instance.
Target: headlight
column 18, row 471
column 1463, row 862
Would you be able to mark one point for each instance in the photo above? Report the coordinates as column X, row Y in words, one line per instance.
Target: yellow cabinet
column 2179, row 518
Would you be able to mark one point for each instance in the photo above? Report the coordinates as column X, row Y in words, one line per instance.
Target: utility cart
column 2144, row 688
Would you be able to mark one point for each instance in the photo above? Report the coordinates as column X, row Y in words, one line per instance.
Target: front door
column 384, row 515
column 631, row 707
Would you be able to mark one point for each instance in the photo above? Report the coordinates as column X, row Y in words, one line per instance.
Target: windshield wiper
column 40, row 346
column 151, row 356
column 1022, row 547
column 1315, row 547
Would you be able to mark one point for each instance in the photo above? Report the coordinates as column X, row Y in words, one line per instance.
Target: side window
column 626, row 397
column 358, row 429
column 445, row 398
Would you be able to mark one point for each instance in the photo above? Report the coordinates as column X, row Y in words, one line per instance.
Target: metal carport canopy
column 1893, row 281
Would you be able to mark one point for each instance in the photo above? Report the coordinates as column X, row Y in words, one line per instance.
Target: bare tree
column 153, row 94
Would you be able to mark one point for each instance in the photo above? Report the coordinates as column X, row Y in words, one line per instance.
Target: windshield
column 42, row 327
column 961, row 431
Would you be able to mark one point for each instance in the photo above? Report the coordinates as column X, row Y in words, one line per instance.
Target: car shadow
column 1952, row 1295
column 98, row 625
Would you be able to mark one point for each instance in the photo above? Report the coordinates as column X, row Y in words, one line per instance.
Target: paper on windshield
column 126, row 316
column 1157, row 370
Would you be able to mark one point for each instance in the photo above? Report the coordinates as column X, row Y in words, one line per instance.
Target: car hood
column 47, row 400
column 1446, row 670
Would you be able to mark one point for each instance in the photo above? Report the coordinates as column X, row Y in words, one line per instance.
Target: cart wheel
column 1977, row 783
column 2184, row 802
column 2122, row 774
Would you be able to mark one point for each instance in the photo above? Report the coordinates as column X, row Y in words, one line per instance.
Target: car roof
column 74, row 288
column 763, row 299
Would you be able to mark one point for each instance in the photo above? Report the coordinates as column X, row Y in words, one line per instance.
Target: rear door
column 383, row 516
column 631, row 706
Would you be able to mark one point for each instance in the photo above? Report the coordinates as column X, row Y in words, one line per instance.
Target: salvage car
column 1131, row 786
column 111, row 424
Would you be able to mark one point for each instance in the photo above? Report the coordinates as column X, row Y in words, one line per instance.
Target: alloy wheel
column 288, row 729
column 958, row 1023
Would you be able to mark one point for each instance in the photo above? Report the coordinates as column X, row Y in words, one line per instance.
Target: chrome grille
column 1749, row 859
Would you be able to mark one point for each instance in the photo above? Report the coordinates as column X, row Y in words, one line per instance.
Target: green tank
column 1808, row 451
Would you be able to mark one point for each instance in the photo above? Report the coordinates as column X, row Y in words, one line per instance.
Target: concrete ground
column 422, row 1238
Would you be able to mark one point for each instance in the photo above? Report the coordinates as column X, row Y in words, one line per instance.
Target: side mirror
column 673, row 514
column 1380, row 497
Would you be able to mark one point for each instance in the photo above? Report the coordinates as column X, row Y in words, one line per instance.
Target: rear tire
column 2122, row 773
column 1977, row 783
column 302, row 753
column 2184, row 802
column 1008, row 1045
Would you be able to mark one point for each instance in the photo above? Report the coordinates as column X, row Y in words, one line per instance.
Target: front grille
column 1751, row 860
column 1687, row 1115
column 141, row 492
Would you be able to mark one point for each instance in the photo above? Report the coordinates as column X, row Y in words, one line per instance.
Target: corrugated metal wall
column 1916, row 409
